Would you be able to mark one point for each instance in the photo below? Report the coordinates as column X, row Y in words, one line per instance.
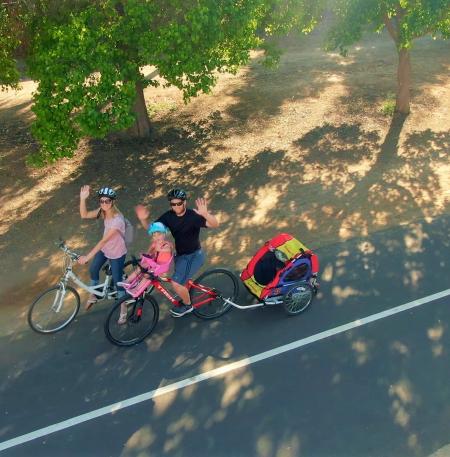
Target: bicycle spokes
column 142, row 316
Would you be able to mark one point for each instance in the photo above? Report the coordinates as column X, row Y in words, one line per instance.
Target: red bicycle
column 212, row 295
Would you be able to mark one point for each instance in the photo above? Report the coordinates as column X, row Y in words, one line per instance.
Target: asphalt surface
column 378, row 390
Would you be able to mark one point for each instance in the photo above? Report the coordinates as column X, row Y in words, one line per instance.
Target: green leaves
column 405, row 20
column 87, row 54
column 9, row 76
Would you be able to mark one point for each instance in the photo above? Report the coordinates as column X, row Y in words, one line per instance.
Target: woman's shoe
column 92, row 299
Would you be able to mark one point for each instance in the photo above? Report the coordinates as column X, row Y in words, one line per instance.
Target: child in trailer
column 158, row 260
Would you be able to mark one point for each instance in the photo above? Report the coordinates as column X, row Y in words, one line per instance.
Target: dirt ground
column 303, row 148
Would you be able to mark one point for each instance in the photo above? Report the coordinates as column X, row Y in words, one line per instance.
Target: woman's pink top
column 115, row 246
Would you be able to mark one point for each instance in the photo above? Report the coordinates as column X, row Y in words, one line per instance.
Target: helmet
column 157, row 227
column 176, row 193
column 107, row 192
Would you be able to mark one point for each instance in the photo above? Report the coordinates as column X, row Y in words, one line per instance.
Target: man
column 184, row 224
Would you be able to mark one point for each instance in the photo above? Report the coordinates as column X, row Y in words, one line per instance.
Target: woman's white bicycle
column 56, row 307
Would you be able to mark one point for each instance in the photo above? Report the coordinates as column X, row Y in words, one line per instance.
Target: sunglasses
column 105, row 201
column 176, row 204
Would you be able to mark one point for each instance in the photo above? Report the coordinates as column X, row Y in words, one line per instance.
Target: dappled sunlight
column 340, row 60
column 216, row 418
column 264, row 446
column 327, row 273
column 336, row 379
column 353, row 225
column 156, row 342
column 17, row 206
column 289, row 446
column 264, row 200
column 177, row 429
column 139, row 442
column 442, row 171
column 227, row 351
column 103, row 359
column 162, row 403
column 400, row 348
column 308, row 218
column 366, row 247
column 186, row 360
column 415, row 239
column 442, row 452
column 361, row 351
column 340, row 294
column 403, row 402
column 435, row 335
column 412, row 276
column 235, row 384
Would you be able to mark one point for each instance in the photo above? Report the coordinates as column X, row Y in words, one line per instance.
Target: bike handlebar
column 62, row 245
column 144, row 270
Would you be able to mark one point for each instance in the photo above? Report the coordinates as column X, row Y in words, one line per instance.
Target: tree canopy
column 405, row 20
column 87, row 57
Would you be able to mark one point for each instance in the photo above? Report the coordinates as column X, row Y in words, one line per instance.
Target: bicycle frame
column 101, row 290
column 156, row 284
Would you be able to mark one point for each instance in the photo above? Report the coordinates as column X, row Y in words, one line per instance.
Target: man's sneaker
column 178, row 311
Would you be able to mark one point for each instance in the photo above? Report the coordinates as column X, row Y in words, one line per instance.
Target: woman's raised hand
column 84, row 192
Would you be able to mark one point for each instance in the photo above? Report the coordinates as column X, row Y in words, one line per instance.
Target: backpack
column 129, row 232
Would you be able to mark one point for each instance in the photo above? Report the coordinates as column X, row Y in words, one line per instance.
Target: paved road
column 378, row 390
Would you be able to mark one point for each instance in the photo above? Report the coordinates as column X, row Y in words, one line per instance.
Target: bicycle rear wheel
column 54, row 309
column 221, row 284
column 142, row 317
column 298, row 298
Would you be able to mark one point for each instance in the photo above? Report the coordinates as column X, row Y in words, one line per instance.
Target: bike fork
column 57, row 302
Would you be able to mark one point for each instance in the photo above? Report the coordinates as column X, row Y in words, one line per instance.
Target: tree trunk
column 141, row 127
column 403, row 81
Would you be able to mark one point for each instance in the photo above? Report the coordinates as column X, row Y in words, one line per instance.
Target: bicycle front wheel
column 54, row 309
column 142, row 315
column 220, row 284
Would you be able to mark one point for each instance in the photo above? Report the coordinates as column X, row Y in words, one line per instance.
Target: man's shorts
column 187, row 265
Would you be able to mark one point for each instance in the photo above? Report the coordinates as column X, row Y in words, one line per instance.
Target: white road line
column 216, row 372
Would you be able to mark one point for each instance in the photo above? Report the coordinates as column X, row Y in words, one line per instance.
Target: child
column 158, row 260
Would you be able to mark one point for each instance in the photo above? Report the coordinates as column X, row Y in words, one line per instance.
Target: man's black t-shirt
column 185, row 229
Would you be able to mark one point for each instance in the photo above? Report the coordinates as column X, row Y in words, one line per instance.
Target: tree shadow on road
column 382, row 369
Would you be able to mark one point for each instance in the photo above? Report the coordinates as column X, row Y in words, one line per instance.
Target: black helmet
column 176, row 193
column 107, row 192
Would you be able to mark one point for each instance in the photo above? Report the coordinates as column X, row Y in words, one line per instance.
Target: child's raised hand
column 84, row 192
column 142, row 212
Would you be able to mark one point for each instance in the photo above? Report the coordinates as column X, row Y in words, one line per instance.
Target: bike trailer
column 280, row 262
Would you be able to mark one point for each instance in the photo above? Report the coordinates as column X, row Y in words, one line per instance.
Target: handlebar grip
column 146, row 271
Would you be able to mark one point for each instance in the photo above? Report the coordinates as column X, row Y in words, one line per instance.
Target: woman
column 112, row 246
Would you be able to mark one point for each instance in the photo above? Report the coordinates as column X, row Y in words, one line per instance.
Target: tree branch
column 391, row 28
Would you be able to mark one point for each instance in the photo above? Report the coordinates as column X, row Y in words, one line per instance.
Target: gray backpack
column 129, row 232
